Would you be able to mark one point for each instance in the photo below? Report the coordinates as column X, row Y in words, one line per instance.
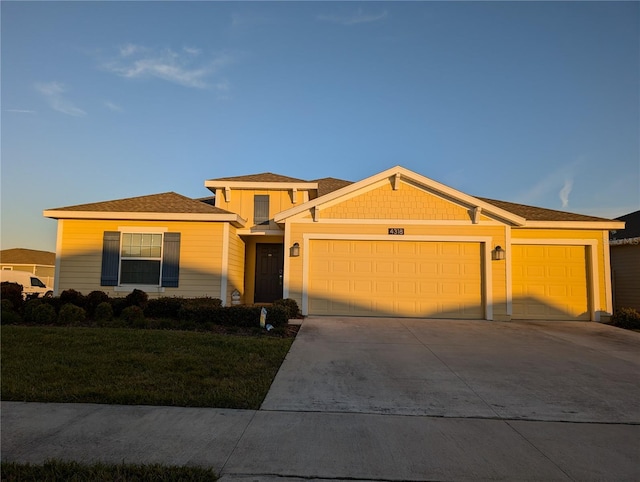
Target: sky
column 529, row 102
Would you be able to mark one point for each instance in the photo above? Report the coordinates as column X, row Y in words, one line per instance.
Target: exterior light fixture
column 294, row 251
column 497, row 254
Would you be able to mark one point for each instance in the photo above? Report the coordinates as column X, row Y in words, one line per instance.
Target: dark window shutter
column 171, row 260
column 110, row 258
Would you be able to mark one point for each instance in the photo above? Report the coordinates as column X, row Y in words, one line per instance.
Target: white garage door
column 398, row 278
column 550, row 282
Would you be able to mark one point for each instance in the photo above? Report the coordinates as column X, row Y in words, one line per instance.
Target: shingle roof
column 262, row 177
column 532, row 213
column 168, row 202
column 27, row 256
column 632, row 227
column 330, row 184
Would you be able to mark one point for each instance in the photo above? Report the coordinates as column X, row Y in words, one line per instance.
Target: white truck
column 31, row 284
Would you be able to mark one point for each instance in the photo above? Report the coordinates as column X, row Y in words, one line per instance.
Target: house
column 625, row 262
column 40, row 263
column 394, row 244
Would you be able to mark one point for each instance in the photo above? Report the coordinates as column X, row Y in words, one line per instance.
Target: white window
column 140, row 259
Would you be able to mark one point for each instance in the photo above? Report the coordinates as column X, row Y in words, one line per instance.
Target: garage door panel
column 550, row 282
column 403, row 278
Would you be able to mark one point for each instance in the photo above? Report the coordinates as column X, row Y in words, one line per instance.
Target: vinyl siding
column 200, row 256
column 242, row 203
column 235, row 272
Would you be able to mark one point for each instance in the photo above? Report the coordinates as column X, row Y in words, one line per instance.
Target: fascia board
column 273, row 186
column 416, row 178
column 575, row 224
column 230, row 218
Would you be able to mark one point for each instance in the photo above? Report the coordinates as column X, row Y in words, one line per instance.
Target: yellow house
column 393, row 244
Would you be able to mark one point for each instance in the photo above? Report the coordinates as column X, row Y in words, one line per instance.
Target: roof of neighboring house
column 262, row 177
column 168, row 202
column 330, row 184
column 632, row 227
column 27, row 256
column 533, row 213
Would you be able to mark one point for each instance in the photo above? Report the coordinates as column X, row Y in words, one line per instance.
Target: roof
column 632, row 227
column 168, row 202
column 168, row 206
column 533, row 213
column 262, row 177
column 330, row 184
column 27, row 256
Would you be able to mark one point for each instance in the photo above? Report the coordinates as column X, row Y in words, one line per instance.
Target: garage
column 550, row 282
column 400, row 278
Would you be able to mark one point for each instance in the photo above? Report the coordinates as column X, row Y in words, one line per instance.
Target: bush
column 137, row 298
column 73, row 297
column 71, row 315
column 10, row 317
column 7, row 305
column 164, row 307
column 94, row 299
column 235, row 315
column 44, row 314
column 12, row 292
column 103, row 312
column 133, row 316
column 28, row 309
column 290, row 305
column 626, row 318
column 118, row 304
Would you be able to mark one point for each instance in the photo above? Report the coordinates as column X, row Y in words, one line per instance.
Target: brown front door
column 269, row 266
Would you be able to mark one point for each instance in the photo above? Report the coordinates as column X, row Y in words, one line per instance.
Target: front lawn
column 138, row 367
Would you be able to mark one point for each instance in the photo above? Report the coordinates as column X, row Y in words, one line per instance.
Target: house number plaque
column 396, row 231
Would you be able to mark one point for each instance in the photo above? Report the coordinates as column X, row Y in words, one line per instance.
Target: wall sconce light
column 497, row 254
column 294, row 251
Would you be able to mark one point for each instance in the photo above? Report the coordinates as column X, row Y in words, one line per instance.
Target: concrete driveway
column 546, row 371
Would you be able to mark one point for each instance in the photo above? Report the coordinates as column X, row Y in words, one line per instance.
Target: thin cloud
column 112, row 106
column 183, row 67
column 53, row 94
column 565, row 191
column 358, row 17
column 20, row 111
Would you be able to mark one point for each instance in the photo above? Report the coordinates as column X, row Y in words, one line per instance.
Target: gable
column 406, row 201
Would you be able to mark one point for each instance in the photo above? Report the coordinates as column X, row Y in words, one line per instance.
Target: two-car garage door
column 400, row 278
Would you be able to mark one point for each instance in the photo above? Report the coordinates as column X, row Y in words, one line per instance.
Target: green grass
column 138, row 367
column 54, row 470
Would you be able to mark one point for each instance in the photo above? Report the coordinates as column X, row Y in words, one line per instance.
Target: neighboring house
column 393, row 244
column 40, row 263
column 625, row 262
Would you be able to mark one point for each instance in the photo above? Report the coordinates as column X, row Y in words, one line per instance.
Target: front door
column 269, row 268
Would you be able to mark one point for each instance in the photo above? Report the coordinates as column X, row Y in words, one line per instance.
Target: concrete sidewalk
column 265, row 445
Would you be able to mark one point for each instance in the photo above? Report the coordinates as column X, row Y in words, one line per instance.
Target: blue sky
column 534, row 102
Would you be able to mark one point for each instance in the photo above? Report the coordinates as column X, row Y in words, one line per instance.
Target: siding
column 235, row 274
column 200, row 256
column 242, row 203
column 625, row 271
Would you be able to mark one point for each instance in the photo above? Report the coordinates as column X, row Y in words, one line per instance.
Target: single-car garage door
column 398, row 278
column 550, row 282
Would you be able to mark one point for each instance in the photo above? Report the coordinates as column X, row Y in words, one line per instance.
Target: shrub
column 236, row 315
column 71, row 315
column 73, row 297
column 28, row 309
column 8, row 314
column 626, row 318
column 118, row 304
column 137, row 298
column 164, row 307
column 199, row 310
column 290, row 305
column 12, row 292
column 94, row 299
column 43, row 314
column 133, row 316
column 103, row 312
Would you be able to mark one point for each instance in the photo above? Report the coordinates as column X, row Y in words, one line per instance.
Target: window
column 37, row 282
column 147, row 259
column 261, row 209
column 140, row 259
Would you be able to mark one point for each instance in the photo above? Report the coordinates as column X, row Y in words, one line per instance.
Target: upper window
column 140, row 259
column 261, row 209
